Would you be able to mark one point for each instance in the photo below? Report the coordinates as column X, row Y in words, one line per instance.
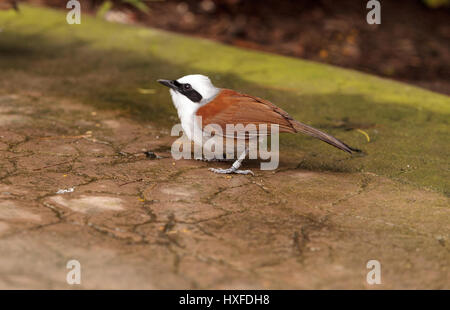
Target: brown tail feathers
column 313, row 132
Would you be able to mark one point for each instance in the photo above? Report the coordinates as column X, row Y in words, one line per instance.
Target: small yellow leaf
column 364, row 133
column 146, row 91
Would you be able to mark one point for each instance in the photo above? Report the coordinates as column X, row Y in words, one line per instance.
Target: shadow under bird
column 194, row 95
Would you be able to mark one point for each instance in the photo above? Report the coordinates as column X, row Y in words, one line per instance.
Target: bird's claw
column 230, row 171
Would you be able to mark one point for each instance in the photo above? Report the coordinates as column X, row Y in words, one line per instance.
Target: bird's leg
column 235, row 167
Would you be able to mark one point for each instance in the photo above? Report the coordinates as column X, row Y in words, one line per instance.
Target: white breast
column 186, row 110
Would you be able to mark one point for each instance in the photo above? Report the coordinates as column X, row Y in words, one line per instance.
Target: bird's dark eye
column 188, row 91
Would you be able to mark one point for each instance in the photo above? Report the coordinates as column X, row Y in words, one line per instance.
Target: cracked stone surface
column 133, row 222
column 79, row 107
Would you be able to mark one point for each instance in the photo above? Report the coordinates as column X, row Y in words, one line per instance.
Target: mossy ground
column 79, row 102
column 105, row 64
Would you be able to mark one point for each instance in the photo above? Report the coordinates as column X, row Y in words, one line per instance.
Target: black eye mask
column 187, row 90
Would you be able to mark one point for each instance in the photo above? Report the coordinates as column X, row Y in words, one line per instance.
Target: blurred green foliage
column 138, row 4
column 436, row 3
column 105, row 7
column 108, row 5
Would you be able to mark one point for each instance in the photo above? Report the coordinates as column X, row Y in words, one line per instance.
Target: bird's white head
column 191, row 91
column 201, row 84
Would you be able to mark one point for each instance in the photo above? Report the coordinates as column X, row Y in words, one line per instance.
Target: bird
column 195, row 96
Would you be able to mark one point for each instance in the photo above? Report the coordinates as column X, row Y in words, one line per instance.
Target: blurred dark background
column 411, row 44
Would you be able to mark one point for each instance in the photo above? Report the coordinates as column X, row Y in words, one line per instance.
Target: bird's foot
column 230, row 171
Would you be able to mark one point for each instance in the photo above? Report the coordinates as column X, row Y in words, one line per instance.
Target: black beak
column 169, row 83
